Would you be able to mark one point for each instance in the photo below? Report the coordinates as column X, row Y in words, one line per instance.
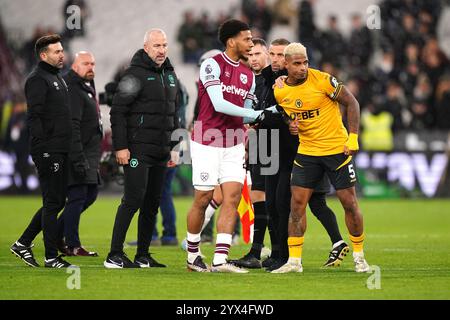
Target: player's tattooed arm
column 348, row 100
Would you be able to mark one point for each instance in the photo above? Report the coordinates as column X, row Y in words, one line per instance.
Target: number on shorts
column 351, row 171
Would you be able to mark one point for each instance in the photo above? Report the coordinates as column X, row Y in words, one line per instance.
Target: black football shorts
column 308, row 171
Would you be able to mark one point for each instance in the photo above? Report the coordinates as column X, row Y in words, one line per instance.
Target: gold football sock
column 357, row 242
column 295, row 247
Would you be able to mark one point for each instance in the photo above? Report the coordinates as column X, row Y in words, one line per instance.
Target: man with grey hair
column 143, row 117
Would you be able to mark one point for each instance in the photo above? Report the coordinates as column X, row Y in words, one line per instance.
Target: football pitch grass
column 407, row 244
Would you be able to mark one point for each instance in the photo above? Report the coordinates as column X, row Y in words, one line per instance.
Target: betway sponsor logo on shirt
column 234, row 90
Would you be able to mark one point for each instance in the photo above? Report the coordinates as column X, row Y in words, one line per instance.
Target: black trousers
column 53, row 174
column 22, row 167
column 142, row 190
column 79, row 198
column 278, row 207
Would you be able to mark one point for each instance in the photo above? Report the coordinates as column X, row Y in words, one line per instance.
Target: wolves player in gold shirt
column 311, row 99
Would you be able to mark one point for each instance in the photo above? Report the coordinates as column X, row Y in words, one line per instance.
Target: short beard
column 56, row 65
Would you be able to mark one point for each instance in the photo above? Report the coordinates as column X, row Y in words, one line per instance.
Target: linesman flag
column 246, row 213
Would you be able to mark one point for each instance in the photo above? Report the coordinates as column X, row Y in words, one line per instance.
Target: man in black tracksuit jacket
column 50, row 130
column 85, row 153
column 277, row 186
column 143, row 117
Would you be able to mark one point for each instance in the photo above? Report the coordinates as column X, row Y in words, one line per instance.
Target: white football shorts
column 212, row 166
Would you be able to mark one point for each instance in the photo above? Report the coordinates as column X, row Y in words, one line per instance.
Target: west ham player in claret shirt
column 226, row 89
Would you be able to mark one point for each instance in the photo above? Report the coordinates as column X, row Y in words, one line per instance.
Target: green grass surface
column 409, row 240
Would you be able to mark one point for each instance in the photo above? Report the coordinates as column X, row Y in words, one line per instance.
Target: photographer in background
column 16, row 141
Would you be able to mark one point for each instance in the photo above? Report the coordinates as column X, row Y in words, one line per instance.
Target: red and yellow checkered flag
column 246, row 213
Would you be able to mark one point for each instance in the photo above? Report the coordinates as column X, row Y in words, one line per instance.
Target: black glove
column 262, row 116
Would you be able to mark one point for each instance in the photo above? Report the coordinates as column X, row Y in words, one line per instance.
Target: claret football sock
column 193, row 243
column 223, row 244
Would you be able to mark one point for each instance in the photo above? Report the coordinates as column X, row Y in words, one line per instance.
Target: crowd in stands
column 398, row 69
column 17, row 61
